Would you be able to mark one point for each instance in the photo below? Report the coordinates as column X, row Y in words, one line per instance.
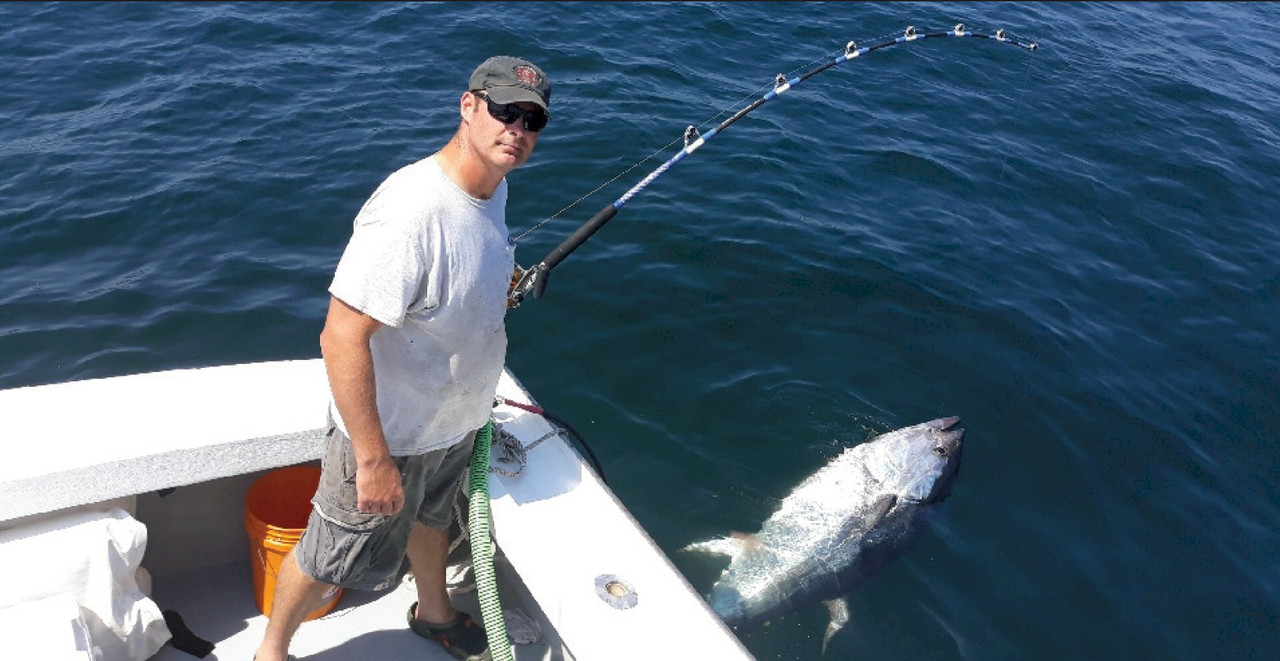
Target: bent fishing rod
column 535, row 278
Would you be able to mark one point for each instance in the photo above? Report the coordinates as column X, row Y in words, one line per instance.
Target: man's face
column 506, row 145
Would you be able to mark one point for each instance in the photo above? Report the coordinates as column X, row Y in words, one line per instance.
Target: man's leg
column 296, row 595
column 428, row 554
column 428, row 548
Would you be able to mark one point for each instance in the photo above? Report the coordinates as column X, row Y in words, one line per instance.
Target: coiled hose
column 482, row 547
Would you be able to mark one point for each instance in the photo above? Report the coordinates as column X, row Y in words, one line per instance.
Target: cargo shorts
column 365, row 551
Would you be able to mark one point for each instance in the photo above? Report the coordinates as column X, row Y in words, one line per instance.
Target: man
column 413, row 344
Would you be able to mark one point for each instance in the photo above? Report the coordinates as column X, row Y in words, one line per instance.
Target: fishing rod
column 535, row 278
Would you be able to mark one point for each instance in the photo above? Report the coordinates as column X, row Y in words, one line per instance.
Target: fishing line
column 646, row 159
column 535, row 278
column 749, row 96
column 1004, row 162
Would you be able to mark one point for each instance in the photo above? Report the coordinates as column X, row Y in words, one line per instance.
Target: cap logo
column 526, row 75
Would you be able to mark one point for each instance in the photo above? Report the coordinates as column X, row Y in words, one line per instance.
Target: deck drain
column 616, row 592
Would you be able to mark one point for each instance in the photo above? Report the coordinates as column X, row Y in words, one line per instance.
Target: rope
column 514, row 452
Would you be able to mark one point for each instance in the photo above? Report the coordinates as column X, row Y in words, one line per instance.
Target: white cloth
column 93, row 557
column 433, row 264
column 49, row 629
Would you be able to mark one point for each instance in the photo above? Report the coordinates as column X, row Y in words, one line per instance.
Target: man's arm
column 344, row 343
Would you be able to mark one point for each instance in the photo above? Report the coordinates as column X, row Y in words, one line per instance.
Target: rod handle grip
column 578, row 238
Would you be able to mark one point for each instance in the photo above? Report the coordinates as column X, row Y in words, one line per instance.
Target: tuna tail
column 839, row 610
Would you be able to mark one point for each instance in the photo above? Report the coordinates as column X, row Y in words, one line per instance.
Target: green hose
column 482, row 547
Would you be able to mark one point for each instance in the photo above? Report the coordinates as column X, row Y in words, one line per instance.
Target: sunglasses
column 534, row 120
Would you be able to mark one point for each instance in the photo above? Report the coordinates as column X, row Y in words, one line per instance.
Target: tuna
column 838, row 527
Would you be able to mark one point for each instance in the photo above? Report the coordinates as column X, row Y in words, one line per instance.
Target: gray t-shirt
column 433, row 264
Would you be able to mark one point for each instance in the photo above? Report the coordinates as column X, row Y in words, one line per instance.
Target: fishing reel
column 525, row 281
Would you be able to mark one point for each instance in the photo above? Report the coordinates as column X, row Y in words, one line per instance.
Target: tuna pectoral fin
column 731, row 546
column 870, row 517
column 880, row 508
column 839, row 609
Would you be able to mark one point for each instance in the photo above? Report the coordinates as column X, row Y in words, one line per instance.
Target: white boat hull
column 570, row 555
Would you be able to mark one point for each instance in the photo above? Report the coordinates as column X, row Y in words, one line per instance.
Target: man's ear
column 467, row 104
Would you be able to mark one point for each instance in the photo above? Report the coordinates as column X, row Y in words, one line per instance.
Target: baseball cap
column 512, row 80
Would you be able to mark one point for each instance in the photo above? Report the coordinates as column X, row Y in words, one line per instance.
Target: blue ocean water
column 1072, row 249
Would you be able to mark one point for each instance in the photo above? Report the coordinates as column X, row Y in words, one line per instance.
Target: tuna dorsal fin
column 731, row 546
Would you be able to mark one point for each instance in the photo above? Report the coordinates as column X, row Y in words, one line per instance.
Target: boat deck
column 202, row 571
column 217, row 604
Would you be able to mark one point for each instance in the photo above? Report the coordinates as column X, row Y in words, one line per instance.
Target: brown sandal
column 461, row 637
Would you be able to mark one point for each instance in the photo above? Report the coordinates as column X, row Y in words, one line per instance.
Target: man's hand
column 378, row 488
column 349, row 363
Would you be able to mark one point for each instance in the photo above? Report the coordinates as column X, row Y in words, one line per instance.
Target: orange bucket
column 275, row 514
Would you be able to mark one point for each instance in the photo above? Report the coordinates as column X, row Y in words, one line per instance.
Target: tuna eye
column 940, row 451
